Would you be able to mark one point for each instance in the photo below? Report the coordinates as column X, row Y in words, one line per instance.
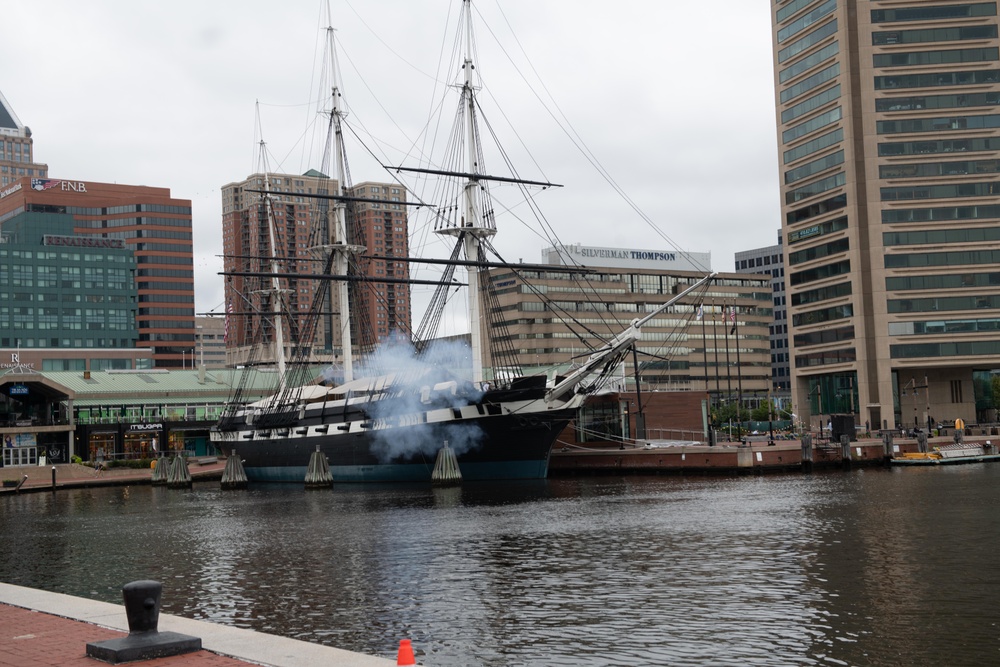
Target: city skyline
column 174, row 108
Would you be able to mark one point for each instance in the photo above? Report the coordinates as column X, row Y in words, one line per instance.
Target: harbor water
column 873, row 567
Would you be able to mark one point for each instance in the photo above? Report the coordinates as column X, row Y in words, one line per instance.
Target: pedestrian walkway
column 70, row 475
column 33, row 639
column 43, row 629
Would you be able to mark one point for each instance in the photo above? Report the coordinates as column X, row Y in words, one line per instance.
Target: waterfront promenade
column 74, row 475
column 758, row 455
column 40, row 629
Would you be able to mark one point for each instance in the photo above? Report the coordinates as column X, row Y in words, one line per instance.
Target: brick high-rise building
column 889, row 137
column 379, row 224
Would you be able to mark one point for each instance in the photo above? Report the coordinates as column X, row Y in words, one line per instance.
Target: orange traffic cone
column 405, row 655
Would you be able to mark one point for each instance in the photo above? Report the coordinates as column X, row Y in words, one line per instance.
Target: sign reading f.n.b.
column 41, row 184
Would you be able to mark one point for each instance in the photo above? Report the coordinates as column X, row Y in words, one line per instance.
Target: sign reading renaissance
column 83, row 241
column 627, row 258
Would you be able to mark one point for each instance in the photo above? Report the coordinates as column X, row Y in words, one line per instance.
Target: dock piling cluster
column 318, row 474
column 179, row 476
column 233, row 476
column 446, row 470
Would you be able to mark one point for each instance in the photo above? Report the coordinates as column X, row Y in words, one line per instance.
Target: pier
column 42, row 628
column 759, row 455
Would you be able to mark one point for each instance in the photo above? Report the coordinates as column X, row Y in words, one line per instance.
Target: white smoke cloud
column 429, row 379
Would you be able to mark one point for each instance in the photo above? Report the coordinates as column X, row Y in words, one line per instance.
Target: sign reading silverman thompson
column 627, row 258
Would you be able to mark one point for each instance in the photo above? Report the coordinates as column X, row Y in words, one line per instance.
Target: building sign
column 145, row 427
column 11, row 190
column 627, row 258
column 83, row 241
column 15, row 362
column 41, row 184
column 19, row 390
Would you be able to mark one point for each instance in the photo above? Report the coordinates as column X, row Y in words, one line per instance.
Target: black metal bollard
column 144, row 641
column 142, row 605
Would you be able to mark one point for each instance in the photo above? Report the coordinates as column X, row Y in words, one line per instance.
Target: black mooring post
column 144, row 641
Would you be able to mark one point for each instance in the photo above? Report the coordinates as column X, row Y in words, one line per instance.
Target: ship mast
column 474, row 228
column 339, row 243
column 277, row 298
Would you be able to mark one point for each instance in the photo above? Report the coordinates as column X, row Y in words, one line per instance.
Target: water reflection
column 873, row 567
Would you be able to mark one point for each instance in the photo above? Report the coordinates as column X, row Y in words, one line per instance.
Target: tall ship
column 398, row 409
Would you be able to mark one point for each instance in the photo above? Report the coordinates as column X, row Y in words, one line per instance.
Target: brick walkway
column 35, row 639
column 69, row 475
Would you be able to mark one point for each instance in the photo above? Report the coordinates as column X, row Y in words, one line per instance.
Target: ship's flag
column 225, row 331
column 700, row 314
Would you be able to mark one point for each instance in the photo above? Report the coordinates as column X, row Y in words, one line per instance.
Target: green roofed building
column 125, row 414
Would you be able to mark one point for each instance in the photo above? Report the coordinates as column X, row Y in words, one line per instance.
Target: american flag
column 44, row 183
column 732, row 318
column 225, row 332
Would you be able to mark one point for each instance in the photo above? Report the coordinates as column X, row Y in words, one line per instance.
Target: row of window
column 811, row 104
column 808, row 62
column 937, row 79
column 942, row 236
column 949, row 57
column 826, row 358
column 818, row 252
column 952, row 258
column 814, row 167
column 798, row 25
column 118, row 258
column 815, row 188
column 937, row 102
column 811, row 125
column 943, row 327
column 825, row 336
column 834, row 203
column 821, row 315
column 757, row 261
column 941, row 213
column 947, row 303
column 953, row 349
column 821, row 294
column 820, row 272
column 940, row 191
column 954, row 281
column 942, row 146
column 62, row 343
column 813, row 146
column 953, row 34
column 937, row 124
column 805, row 43
column 934, row 12
column 932, row 169
column 810, row 82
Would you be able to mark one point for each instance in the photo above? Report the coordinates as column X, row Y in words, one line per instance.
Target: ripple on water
column 865, row 568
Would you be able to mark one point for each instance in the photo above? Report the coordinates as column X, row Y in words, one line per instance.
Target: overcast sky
column 673, row 99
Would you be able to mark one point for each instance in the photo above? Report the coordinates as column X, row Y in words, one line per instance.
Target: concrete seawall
column 730, row 458
column 50, row 642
